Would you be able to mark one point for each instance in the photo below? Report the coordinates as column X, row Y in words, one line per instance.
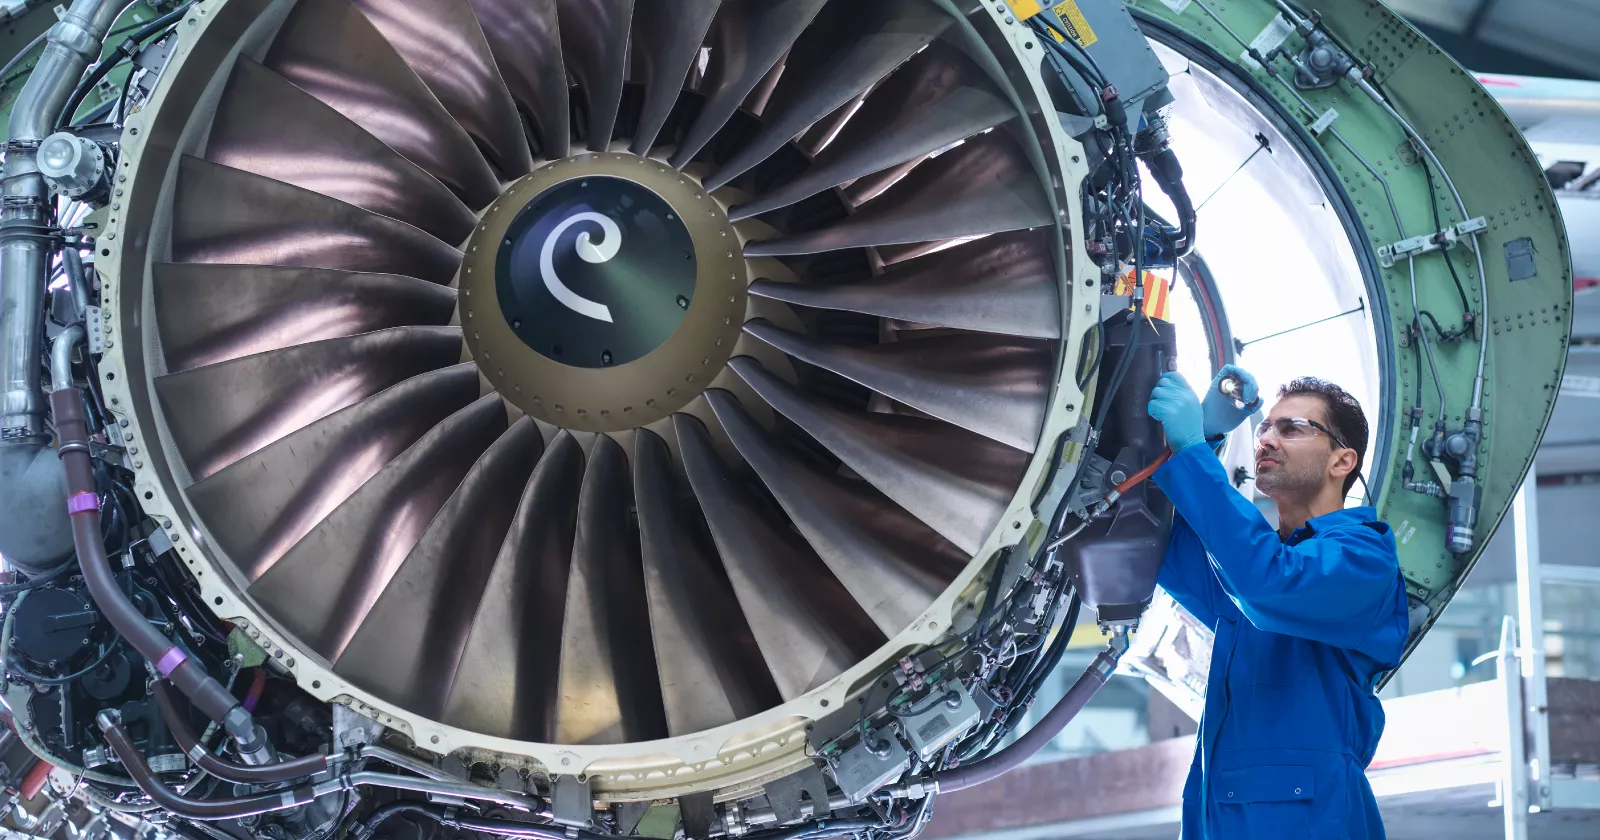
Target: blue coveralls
column 1304, row 627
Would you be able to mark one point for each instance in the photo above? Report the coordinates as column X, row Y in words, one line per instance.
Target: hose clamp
column 170, row 661
column 82, row 503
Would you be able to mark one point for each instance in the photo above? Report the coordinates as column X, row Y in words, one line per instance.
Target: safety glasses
column 1296, row 428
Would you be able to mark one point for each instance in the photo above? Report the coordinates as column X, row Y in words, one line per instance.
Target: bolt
column 1118, row 476
column 605, row 357
column 683, row 302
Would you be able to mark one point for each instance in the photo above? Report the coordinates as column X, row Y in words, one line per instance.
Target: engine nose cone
column 603, row 292
column 596, row 272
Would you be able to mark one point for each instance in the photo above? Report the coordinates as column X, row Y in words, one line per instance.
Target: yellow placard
column 1074, row 23
column 1024, row 9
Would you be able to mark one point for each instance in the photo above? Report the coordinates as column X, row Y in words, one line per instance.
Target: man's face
column 1298, row 467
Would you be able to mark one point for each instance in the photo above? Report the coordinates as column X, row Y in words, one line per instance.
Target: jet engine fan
column 621, row 427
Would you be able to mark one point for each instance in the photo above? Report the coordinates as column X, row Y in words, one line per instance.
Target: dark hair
column 1345, row 417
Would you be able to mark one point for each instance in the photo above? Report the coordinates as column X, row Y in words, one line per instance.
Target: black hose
column 364, row 829
column 228, row 771
column 40, row 579
column 1042, row 733
column 192, row 809
column 1168, row 174
column 17, row 667
column 125, row 50
column 447, row 817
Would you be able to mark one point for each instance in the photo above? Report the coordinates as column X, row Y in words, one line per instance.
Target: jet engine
column 566, row 418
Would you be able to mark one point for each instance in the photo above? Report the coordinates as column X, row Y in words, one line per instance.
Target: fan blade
column 939, row 97
column 956, row 482
column 668, row 36
column 1005, row 283
column 997, row 386
column 610, row 691
column 333, row 52
column 594, row 34
column 408, row 647
column 213, row 313
column 268, row 126
column 808, row 627
column 525, row 37
column 324, row 587
column 847, row 50
column 747, row 39
column 985, row 185
column 826, row 130
column 506, row 685
column 446, row 48
column 892, row 565
column 710, row 665
column 223, row 412
column 263, row 504
column 226, row 215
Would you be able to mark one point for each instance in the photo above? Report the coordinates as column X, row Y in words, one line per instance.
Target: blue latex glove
column 1222, row 414
column 1175, row 405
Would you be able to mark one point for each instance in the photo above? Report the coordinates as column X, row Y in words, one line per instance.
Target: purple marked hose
column 83, row 505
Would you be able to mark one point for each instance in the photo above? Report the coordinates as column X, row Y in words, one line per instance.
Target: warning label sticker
column 1024, row 9
column 1270, row 39
column 1074, row 23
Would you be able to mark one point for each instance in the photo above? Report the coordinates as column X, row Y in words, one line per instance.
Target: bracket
column 1388, row 255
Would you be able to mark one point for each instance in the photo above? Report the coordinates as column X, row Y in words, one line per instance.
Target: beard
column 1289, row 479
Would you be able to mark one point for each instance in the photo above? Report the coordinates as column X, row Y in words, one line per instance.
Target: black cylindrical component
column 1115, row 559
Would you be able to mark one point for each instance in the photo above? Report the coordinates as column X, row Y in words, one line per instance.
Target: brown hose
column 183, row 806
column 189, row 676
column 228, row 771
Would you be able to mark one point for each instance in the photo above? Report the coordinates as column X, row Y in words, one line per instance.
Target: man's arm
column 1329, row 589
column 1187, row 576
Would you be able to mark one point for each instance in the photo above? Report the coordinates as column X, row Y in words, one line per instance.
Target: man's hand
column 1174, row 404
column 1222, row 414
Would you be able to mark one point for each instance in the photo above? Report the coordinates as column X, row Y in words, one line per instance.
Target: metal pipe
column 403, row 761
column 25, row 210
column 34, row 532
column 465, row 790
column 61, row 357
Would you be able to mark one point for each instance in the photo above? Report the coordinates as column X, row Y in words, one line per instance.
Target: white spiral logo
column 610, row 245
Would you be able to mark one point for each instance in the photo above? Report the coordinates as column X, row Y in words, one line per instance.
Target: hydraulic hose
column 1048, row 727
column 1168, row 172
column 228, row 771
column 448, row 818
column 183, row 806
column 83, row 505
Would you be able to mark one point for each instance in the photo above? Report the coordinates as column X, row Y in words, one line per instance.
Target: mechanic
column 1307, row 617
